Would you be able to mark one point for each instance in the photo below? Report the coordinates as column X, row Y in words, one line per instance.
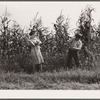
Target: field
column 63, row 80
column 16, row 58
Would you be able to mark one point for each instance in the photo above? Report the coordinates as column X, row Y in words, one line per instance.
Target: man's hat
column 78, row 35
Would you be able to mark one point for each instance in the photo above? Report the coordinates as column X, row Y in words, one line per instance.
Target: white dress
column 35, row 51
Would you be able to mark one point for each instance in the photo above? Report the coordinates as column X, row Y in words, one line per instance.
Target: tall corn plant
column 17, row 46
column 4, row 37
column 60, row 44
column 12, row 43
column 85, row 26
column 61, row 27
column 86, row 29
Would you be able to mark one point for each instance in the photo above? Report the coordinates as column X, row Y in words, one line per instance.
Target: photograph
column 49, row 45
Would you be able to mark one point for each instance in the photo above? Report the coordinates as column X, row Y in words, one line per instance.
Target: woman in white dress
column 36, row 50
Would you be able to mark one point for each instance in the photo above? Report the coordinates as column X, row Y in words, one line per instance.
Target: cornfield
column 15, row 49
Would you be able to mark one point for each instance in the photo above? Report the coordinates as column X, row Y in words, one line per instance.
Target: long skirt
column 37, row 55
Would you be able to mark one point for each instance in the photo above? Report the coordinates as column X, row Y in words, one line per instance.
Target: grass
column 63, row 80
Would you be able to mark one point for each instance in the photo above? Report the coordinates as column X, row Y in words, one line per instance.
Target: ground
column 62, row 80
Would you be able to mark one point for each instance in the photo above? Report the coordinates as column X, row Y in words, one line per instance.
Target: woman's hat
column 31, row 33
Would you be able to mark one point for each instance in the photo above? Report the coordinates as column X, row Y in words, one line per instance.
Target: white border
column 50, row 94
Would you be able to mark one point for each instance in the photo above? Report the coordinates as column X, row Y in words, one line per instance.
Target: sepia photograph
column 49, row 45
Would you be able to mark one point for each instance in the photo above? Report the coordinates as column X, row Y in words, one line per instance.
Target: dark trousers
column 72, row 54
column 38, row 67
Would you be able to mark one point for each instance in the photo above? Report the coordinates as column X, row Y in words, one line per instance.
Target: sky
column 24, row 12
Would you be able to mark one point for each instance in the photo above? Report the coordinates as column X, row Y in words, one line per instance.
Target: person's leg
column 38, row 67
column 76, row 59
column 70, row 55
